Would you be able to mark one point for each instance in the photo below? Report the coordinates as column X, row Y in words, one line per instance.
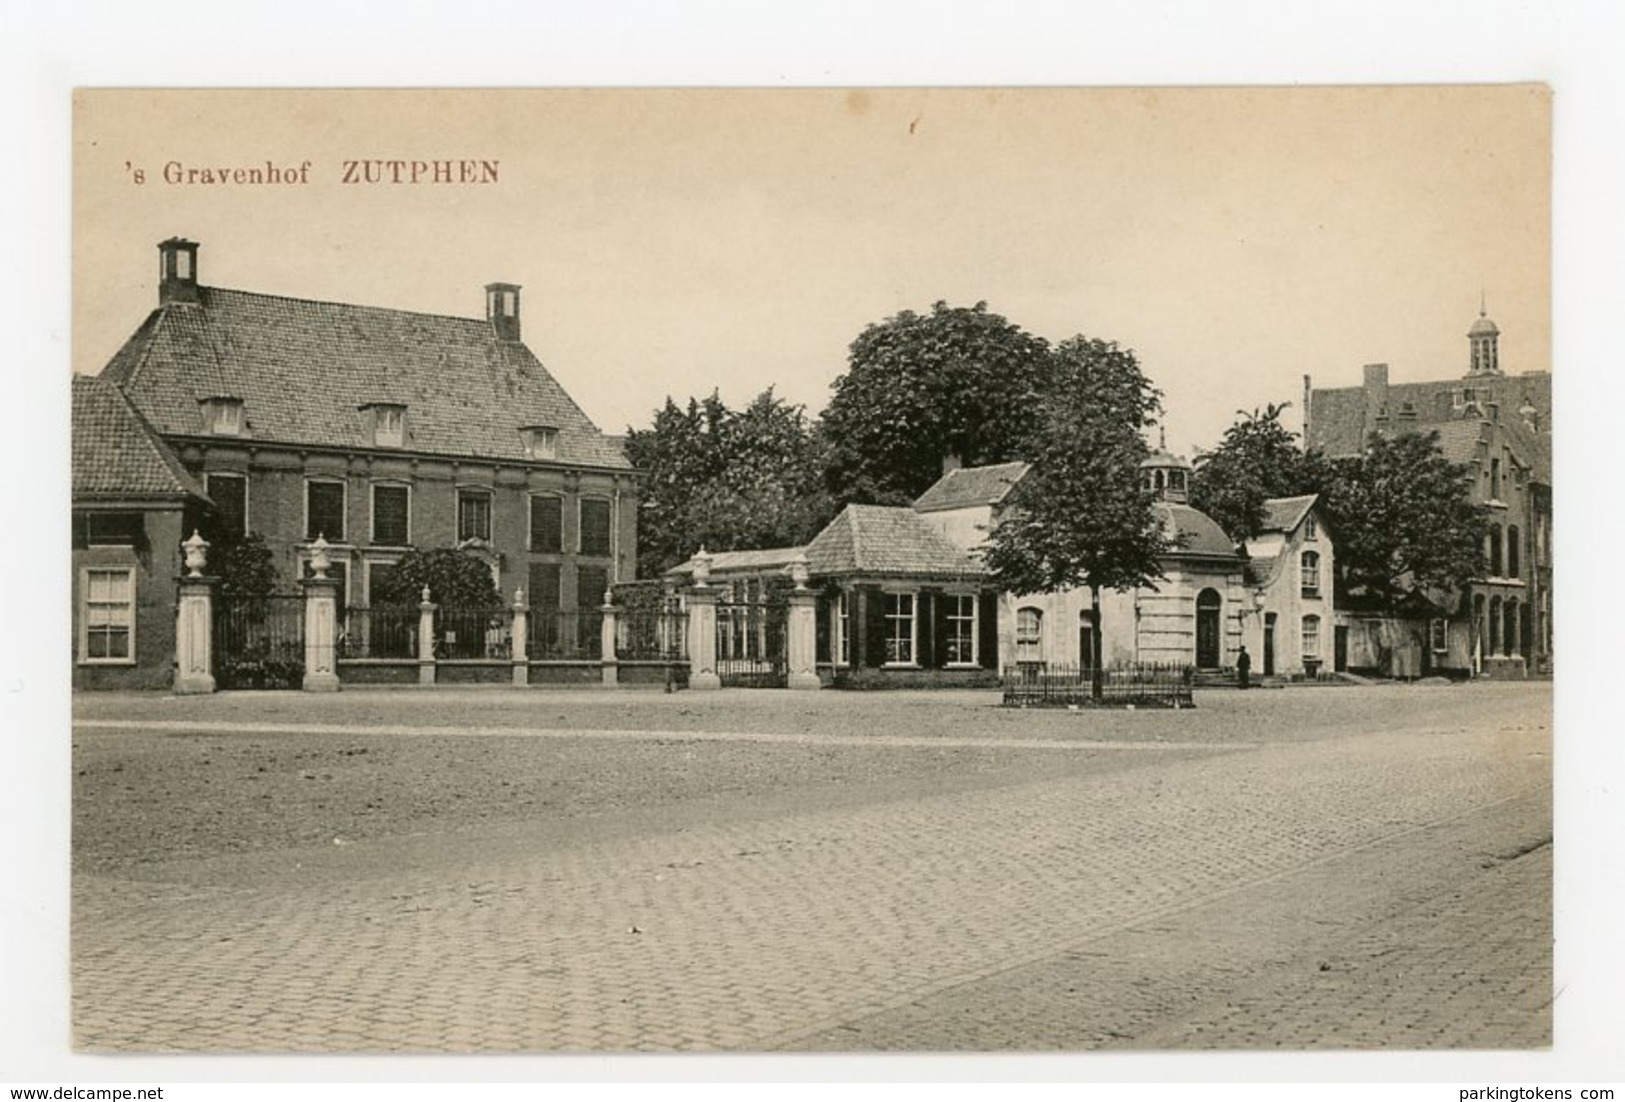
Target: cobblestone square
column 495, row 871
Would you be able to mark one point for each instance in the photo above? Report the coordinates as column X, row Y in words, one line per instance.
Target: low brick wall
column 377, row 671
column 565, row 673
column 473, row 673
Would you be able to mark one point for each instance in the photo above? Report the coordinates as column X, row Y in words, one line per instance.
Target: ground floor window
column 1029, row 634
column 900, row 628
column 1438, row 636
column 961, row 622
column 107, row 633
column 842, row 643
column 1311, row 637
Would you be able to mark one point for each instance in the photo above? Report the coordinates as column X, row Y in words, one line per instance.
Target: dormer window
column 389, row 430
column 223, row 416
column 1311, row 530
column 541, row 442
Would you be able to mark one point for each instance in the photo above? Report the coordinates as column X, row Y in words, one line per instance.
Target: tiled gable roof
column 879, row 539
column 971, row 486
column 116, row 454
column 1283, row 514
column 303, row 369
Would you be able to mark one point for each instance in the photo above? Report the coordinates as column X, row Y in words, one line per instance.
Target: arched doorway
column 1209, row 609
column 1086, row 639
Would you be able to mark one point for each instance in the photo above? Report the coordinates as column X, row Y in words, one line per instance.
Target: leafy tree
column 1258, row 459
column 1404, row 519
column 958, row 381
column 1080, row 516
column 726, row 479
column 455, row 578
column 244, row 565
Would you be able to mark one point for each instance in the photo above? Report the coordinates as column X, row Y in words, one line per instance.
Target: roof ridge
column 343, row 305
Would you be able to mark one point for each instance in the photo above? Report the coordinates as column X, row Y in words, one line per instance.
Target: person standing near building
column 1244, row 667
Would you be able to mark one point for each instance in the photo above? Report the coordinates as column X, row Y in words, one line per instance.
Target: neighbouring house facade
column 1499, row 425
column 898, row 604
column 1276, row 599
column 131, row 495
column 379, row 431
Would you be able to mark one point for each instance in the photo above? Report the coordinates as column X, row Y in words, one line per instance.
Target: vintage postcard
column 821, row 571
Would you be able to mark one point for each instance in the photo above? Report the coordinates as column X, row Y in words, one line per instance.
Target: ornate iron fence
column 1146, row 684
column 751, row 641
column 259, row 642
column 388, row 631
column 464, row 634
column 565, row 634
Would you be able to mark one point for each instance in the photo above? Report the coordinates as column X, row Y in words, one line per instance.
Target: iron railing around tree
column 1142, row 684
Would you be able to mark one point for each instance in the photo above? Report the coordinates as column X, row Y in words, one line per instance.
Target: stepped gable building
column 1500, row 426
column 131, row 494
column 380, row 430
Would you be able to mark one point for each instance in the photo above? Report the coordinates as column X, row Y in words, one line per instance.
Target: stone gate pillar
column 801, row 630
column 426, row 609
column 608, row 658
column 521, row 639
column 702, row 627
column 321, row 623
column 194, row 623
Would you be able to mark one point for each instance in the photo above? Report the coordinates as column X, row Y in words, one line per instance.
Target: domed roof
column 1483, row 327
column 1160, row 457
column 1193, row 531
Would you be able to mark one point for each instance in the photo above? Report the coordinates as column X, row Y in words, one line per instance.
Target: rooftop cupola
column 1484, row 357
column 177, row 271
column 502, row 309
column 1165, row 475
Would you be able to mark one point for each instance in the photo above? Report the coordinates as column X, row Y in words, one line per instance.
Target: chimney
column 502, row 309
column 1376, row 397
column 177, row 271
column 951, row 462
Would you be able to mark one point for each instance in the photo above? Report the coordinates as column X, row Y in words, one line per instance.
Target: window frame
column 344, row 507
column 1439, row 635
column 373, row 503
column 841, row 637
column 1311, row 529
column 894, row 619
column 581, row 527
column 225, row 416
column 1306, row 637
column 208, row 480
column 383, row 435
column 540, row 442
column 530, row 529
column 1030, row 648
column 955, row 615
column 476, row 493
column 85, row 604
column 1309, row 573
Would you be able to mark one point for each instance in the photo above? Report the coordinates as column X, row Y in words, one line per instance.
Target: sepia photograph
column 842, row 570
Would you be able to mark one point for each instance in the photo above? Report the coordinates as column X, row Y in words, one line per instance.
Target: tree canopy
column 455, row 578
column 1080, row 517
column 726, row 479
column 959, row 381
column 1258, row 459
column 244, row 565
column 1403, row 518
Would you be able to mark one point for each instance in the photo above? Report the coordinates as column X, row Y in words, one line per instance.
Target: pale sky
column 670, row 242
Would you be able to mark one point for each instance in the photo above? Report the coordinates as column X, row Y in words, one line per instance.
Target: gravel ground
column 143, row 797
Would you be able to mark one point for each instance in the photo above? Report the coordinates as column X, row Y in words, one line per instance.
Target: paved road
column 1251, row 887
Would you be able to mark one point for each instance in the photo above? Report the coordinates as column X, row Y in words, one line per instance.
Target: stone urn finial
column 425, row 594
column 799, row 572
column 518, row 596
column 702, row 568
column 197, row 554
column 320, row 560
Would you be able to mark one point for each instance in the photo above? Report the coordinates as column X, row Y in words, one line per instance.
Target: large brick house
column 380, row 430
column 1499, row 425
